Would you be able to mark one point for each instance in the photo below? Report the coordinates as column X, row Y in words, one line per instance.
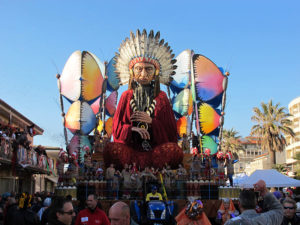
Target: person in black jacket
column 56, row 200
column 61, row 214
column 11, row 209
column 24, row 215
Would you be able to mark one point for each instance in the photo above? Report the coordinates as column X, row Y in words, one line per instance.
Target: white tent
column 272, row 178
column 239, row 178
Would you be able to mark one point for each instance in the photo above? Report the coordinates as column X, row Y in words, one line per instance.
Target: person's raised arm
column 274, row 215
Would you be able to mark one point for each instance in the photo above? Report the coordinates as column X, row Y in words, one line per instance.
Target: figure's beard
column 143, row 96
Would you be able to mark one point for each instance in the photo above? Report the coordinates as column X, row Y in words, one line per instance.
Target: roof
column 249, row 140
column 7, row 109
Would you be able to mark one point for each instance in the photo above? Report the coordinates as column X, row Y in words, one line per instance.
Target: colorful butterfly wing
column 74, row 144
column 182, row 76
column 82, row 77
column 108, row 126
column 79, row 143
column 208, row 78
column 70, row 77
column 111, row 103
column 96, row 105
column 181, row 103
column 112, row 78
column 208, row 142
column 183, row 125
column 92, row 76
column 190, row 108
column 209, row 119
column 80, row 117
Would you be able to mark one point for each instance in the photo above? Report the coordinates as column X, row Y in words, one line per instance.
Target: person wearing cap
column 153, row 195
column 289, row 210
column 46, row 204
column 273, row 212
column 144, row 126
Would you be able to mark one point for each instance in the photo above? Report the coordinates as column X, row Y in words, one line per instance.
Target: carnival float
column 133, row 113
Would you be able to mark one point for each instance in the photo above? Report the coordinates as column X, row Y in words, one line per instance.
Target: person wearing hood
column 46, row 204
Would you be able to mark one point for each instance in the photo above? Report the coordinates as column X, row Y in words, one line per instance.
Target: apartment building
column 293, row 144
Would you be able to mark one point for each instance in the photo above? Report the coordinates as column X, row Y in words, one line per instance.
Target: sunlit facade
column 293, row 144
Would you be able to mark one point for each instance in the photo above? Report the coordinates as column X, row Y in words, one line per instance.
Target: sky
column 257, row 41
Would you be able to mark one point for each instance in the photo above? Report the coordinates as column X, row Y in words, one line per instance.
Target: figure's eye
column 149, row 69
column 138, row 69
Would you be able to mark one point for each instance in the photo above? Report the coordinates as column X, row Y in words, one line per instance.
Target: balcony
column 293, row 145
column 25, row 159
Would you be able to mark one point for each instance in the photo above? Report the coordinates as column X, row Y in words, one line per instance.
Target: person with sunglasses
column 289, row 212
column 62, row 213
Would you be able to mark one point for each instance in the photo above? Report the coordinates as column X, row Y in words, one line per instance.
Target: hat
column 153, row 188
column 6, row 195
column 145, row 48
column 277, row 194
column 47, row 202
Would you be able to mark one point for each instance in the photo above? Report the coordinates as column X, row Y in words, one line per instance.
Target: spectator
column 153, row 195
column 24, row 215
column 249, row 216
column 55, row 203
column 229, row 166
column 289, row 212
column 119, row 214
column 46, row 203
column 36, row 204
column 61, row 214
column 110, row 173
column 92, row 215
column 11, row 210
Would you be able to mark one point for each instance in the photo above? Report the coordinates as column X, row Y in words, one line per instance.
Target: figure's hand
column 143, row 132
column 260, row 186
column 139, row 116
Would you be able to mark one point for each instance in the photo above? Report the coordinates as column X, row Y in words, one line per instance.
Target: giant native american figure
column 144, row 126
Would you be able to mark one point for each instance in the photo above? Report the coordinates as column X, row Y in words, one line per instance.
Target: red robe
column 163, row 130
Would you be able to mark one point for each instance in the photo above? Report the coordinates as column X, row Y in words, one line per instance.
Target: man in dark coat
column 61, row 214
column 11, row 210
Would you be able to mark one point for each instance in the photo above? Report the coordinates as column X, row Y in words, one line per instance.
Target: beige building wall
column 251, row 149
column 293, row 146
column 259, row 163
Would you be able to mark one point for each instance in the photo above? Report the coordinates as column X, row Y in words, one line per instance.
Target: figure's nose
column 144, row 72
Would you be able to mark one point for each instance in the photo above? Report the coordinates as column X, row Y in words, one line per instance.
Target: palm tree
column 230, row 141
column 272, row 123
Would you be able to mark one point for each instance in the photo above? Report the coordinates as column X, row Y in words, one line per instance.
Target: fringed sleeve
column 164, row 127
column 121, row 122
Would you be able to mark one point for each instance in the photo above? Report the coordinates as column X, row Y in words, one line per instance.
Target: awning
column 52, row 179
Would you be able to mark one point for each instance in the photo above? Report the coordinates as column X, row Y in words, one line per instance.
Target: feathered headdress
column 145, row 48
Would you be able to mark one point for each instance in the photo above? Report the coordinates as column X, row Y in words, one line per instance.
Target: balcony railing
column 26, row 158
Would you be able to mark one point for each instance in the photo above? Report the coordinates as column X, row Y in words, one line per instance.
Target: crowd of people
column 256, row 206
column 132, row 178
column 57, row 210
column 13, row 139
